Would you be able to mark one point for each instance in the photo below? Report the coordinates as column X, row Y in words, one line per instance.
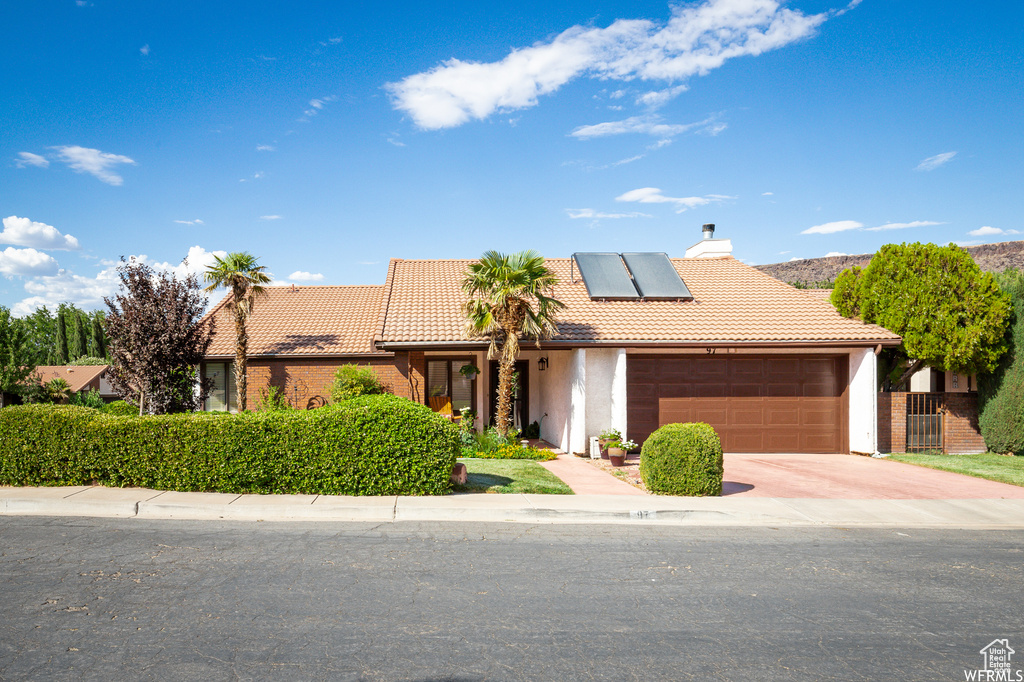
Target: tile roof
column 820, row 294
column 732, row 302
column 77, row 376
column 308, row 320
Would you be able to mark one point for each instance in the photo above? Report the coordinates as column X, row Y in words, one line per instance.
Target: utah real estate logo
column 995, row 664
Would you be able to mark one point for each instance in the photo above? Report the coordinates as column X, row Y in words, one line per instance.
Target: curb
column 538, row 509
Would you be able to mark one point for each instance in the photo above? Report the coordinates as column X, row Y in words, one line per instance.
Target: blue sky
column 326, row 138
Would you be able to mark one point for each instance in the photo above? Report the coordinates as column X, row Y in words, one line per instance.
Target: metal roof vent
column 708, row 230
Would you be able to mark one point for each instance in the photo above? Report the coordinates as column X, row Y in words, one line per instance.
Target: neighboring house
column 81, row 378
column 298, row 337
column 772, row 369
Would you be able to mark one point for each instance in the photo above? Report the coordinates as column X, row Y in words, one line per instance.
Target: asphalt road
column 173, row 600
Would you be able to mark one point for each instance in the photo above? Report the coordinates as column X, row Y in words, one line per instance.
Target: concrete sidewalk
column 580, row 509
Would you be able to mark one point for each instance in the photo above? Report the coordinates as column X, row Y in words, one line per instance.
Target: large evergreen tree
column 16, row 361
column 951, row 315
column 157, row 340
column 98, row 340
column 79, row 345
column 61, row 351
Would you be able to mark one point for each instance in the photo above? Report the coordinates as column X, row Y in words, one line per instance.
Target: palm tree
column 506, row 301
column 240, row 273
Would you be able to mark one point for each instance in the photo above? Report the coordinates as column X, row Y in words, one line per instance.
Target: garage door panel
column 782, row 389
column 781, row 416
column 756, row 404
column 782, row 367
column 781, row 441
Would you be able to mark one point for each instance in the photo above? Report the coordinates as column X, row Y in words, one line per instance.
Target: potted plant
column 617, row 451
column 469, row 370
column 606, row 437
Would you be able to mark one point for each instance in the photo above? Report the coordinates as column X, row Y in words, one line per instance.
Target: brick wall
column 307, row 382
column 960, row 432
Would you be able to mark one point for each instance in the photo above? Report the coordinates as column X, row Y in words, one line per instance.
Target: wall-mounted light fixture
column 542, row 364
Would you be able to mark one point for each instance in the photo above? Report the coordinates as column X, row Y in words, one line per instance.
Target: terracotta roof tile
column 308, row 320
column 732, row 302
column 77, row 376
column 820, row 294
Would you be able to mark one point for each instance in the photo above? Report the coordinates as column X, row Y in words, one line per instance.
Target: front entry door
column 520, row 401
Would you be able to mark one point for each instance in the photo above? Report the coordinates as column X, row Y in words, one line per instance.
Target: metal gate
column 924, row 421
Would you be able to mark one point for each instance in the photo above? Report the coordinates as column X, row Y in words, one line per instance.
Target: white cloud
column 830, row 254
column 144, row 50
column 830, row 228
column 302, row 276
column 265, row 148
column 649, row 124
column 26, row 263
column 29, row 159
column 903, row 226
column 270, row 217
column 658, row 98
column 794, row 258
column 94, row 162
column 933, row 162
column 988, row 231
column 696, row 39
column 88, row 292
column 197, row 221
column 985, row 231
column 316, row 105
column 767, row 194
column 25, row 232
column 653, row 195
column 195, row 263
column 255, row 176
column 592, row 214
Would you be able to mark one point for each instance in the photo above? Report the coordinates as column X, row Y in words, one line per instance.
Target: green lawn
column 993, row 467
column 510, row 476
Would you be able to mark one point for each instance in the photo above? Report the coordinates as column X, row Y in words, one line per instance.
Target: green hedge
column 682, row 459
column 376, row 445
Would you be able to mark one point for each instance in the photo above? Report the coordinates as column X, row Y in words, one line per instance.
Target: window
column 222, row 395
column 444, row 379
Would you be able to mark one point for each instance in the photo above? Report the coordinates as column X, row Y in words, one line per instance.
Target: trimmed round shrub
column 682, row 459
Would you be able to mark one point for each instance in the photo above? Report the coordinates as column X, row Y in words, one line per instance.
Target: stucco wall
column 600, row 372
column 862, row 402
column 554, row 391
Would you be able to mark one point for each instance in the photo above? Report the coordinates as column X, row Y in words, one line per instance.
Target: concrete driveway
column 852, row 477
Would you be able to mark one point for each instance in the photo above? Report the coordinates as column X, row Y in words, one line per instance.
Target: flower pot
column 617, row 456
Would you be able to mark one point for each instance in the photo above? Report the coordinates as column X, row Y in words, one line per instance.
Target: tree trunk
column 507, row 366
column 901, row 383
column 142, row 400
column 241, row 347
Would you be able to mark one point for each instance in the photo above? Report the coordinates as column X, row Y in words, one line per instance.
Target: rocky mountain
column 816, row 271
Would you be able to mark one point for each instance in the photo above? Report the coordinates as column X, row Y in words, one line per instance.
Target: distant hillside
column 812, row 271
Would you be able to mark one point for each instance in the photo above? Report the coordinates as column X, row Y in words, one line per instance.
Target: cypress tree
column 62, row 338
column 78, row 346
column 99, row 343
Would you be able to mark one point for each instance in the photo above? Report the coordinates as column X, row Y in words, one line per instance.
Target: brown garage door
column 756, row 403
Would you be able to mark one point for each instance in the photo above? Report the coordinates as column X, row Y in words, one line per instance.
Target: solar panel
column 605, row 276
column 655, row 277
